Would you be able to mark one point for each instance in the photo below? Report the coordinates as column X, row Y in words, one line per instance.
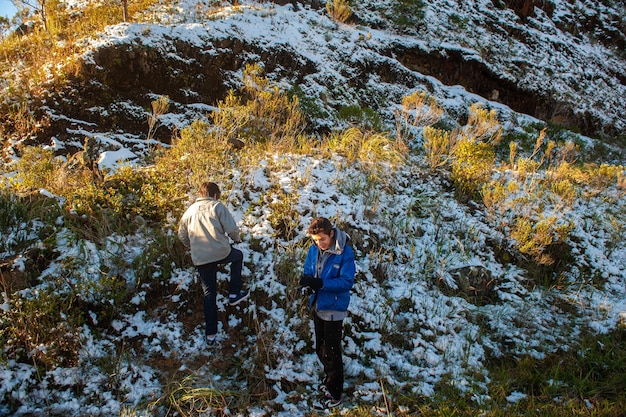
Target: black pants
column 208, row 279
column 328, row 335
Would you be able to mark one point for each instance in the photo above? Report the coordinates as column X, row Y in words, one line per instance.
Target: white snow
column 440, row 335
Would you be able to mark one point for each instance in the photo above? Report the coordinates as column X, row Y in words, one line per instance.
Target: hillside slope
column 101, row 313
column 563, row 65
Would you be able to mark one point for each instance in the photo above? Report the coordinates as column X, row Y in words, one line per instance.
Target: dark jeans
column 208, row 278
column 328, row 335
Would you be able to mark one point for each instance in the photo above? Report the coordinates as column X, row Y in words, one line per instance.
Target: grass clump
column 339, row 10
column 188, row 397
column 43, row 329
column 25, row 220
column 377, row 153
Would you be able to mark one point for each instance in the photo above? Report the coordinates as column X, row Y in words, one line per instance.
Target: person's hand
column 311, row 282
column 306, row 291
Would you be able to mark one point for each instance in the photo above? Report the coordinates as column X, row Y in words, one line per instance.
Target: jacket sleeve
column 309, row 262
column 347, row 270
column 228, row 223
column 182, row 231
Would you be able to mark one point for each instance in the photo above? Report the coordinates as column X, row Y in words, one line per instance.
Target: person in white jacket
column 207, row 228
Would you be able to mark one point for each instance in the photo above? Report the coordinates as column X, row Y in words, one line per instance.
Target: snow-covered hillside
column 402, row 331
column 460, row 53
column 411, row 235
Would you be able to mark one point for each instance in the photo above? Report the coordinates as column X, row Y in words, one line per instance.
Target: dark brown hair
column 210, row 189
column 320, row 225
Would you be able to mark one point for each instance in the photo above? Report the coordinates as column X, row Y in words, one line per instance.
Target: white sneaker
column 327, row 402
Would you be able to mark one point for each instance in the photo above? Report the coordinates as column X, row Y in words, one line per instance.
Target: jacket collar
column 341, row 239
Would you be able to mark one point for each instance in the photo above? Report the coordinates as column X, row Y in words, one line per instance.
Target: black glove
column 311, row 282
column 306, row 291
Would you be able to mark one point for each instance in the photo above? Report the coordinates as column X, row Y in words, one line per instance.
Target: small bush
column 37, row 168
column 364, row 118
column 310, row 108
column 43, row 329
column 533, row 238
column 374, row 151
column 196, row 155
column 284, row 217
column 129, row 193
column 339, row 10
column 437, row 146
column 264, row 114
column 468, row 152
column 472, row 166
column 418, row 110
column 159, row 107
column 482, row 126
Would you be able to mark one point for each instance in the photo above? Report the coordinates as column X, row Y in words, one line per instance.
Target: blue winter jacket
column 337, row 273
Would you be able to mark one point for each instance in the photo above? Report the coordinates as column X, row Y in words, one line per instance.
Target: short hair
column 319, row 225
column 209, row 189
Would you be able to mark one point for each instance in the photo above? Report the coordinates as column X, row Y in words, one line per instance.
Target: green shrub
column 407, row 13
column 284, row 216
column 309, row 107
column 43, row 329
column 364, row 118
column 161, row 254
column 28, row 227
column 37, row 168
column 472, row 166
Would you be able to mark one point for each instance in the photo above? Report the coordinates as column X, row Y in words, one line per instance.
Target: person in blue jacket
column 329, row 271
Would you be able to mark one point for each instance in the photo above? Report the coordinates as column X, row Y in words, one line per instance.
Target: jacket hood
column 341, row 240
